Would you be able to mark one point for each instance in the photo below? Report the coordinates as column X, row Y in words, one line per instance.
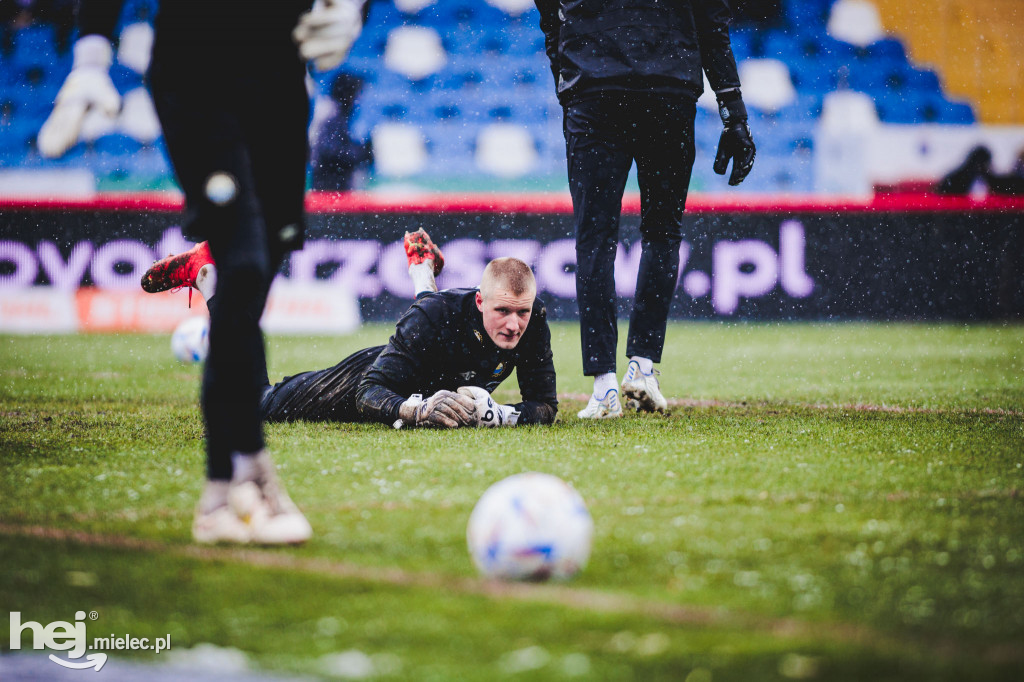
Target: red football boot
column 175, row 272
column 419, row 248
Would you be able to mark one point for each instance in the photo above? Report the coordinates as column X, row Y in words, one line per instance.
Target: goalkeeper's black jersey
column 440, row 344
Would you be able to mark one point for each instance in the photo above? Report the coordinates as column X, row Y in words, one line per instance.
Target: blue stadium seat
column 778, row 44
column 371, row 42
column 150, row 162
column 34, row 45
column 125, row 79
column 936, row 108
column 138, row 10
column 811, row 13
column 463, row 40
column 898, row 107
column 463, row 71
column 451, row 147
column 456, row 12
column 507, row 105
column 116, row 145
column 876, row 77
column 958, row 113
column 741, row 38
column 889, row 49
column 18, row 135
column 828, row 48
column 383, row 14
column 525, row 40
column 530, row 71
column 924, row 80
column 367, row 68
column 813, row 75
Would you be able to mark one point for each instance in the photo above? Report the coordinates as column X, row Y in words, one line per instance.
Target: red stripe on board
column 367, row 202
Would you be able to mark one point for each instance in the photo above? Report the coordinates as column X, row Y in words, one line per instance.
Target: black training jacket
column 657, row 46
column 440, row 344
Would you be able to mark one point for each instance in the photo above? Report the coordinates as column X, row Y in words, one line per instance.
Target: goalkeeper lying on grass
column 448, row 352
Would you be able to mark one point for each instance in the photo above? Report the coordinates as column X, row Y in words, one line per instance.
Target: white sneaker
column 605, row 408
column 220, row 525
column 254, row 509
column 272, row 518
column 262, row 502
column 642, row 390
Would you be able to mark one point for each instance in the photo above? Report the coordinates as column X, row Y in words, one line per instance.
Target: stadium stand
column 985, row 66
column 487, row 72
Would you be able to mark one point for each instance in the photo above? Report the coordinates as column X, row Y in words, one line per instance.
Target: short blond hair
column 508, row 272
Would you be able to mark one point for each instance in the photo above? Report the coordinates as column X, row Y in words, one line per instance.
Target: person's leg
column 212, row 166
column 235, row 375
column 425, row 261
column 665, row 155
column 599, row 160
column 212, row 148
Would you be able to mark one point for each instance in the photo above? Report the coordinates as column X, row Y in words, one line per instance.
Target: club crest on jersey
column 499, row 370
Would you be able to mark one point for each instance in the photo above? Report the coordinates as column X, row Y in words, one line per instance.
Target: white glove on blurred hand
column 87, row 88
column 325, row 33
column 490, row 413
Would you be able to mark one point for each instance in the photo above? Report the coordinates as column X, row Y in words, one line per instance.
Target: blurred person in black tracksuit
column 228, row 83
column 450, row 350
column 336, row 156
column 628, row 74
column 977, row 168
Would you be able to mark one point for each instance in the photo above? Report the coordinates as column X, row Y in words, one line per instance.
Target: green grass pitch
column 833, row 502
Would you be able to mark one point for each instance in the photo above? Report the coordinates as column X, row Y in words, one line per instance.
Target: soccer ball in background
column 191, row 340
column 530, row 526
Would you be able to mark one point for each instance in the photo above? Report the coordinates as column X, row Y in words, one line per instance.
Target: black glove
column 735, row 143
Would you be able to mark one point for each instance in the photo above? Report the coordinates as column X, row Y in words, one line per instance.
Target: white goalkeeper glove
column 325, row 33
column 87, row 88
column 444, row 409
column 490, row 413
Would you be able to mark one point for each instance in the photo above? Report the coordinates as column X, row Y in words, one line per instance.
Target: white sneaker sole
column 220, row 525
column 287, row 527
column 603, row 413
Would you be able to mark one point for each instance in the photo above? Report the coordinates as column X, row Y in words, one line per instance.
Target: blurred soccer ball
column 191, row 340
column 530, row 526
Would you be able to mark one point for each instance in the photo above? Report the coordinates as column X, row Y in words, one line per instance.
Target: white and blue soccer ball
column 190, row 341
column 530, row 526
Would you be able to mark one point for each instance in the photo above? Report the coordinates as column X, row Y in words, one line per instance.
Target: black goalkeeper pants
column 246, row 129
column 324, row 395
column 603, row 137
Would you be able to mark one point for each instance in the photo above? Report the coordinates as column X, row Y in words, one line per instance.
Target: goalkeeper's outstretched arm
column 536, row 372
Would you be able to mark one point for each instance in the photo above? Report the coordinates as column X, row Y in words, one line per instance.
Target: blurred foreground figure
column 976, row 169
column 228, row 82
column 450, row 350
column 628, row 74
